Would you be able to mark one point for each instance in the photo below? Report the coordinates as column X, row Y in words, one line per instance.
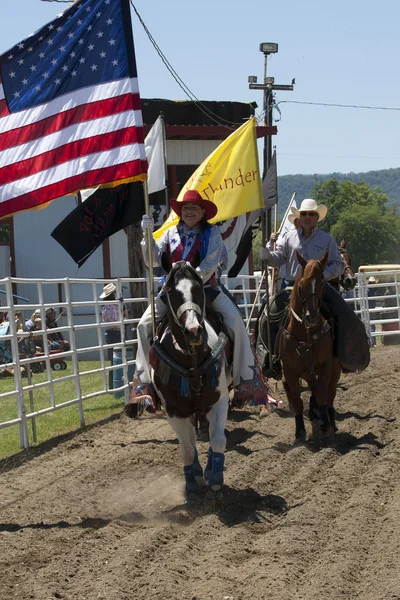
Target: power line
column 337, row 156
column 341, row 105
column 204, row 109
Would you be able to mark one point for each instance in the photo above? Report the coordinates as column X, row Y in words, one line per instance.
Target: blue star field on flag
column 84, row 46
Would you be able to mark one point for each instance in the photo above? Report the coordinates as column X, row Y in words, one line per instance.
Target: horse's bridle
column 348, row 268
column 304, row 300
column 183, row 307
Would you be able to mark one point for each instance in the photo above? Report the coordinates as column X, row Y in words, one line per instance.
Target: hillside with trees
column 367, row 218
column 388, row 181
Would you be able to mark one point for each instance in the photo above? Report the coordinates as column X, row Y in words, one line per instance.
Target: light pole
column 268, row 86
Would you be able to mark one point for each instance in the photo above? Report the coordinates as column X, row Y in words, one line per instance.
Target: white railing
column 82, row 327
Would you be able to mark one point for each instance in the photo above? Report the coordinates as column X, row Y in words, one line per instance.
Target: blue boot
column 216, row 478
column 194, row 477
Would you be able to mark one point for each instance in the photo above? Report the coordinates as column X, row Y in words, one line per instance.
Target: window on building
column 5, row 231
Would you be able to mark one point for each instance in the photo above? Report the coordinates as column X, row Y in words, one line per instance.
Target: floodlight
column 268, row 48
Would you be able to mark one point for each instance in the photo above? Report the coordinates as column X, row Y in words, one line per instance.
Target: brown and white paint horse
column 190, row 375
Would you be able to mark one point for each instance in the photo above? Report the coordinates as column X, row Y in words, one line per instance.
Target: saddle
column 350, row 339
column 278, row 309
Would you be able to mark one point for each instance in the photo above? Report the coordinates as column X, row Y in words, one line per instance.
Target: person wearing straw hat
column 110, row 315
column 312, row 243
column 306, row 239
column 194, row 234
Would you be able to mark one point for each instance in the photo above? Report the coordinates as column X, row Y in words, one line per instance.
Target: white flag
column 287, row 225
column 154, row 147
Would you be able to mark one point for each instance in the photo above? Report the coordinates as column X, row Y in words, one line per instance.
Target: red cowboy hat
column 193, row 197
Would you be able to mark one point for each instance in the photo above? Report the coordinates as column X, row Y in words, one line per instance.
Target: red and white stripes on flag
column 79, row 140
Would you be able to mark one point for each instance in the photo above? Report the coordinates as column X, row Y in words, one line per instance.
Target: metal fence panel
column 81, row 325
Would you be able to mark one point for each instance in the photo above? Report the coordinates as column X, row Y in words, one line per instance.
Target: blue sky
column 345, row 52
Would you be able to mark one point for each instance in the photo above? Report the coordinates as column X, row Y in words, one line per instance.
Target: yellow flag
column 229, row 177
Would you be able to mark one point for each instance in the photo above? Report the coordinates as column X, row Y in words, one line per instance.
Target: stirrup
column 140, row 399
column 274, row 372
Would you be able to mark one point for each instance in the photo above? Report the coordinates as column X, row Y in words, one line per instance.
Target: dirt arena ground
column 100, row 514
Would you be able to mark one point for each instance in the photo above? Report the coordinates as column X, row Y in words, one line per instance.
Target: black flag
column 105, row 212
column 270, row 195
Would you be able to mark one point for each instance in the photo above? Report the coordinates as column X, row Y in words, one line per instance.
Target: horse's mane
column 184, row 270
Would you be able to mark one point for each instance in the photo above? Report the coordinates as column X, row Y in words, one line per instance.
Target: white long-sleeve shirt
column 313, row 247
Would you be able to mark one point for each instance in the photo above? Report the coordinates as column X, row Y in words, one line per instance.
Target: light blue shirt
column 313, row 247
column 170, row 237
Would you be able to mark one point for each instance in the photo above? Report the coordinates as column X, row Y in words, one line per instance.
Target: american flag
column 70, row 114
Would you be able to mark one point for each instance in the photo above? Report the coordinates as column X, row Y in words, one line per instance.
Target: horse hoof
column 216, row 487
column 193, row 499
column 211, row 496
column 316, row 428
column 300, row 437
column 329, row 435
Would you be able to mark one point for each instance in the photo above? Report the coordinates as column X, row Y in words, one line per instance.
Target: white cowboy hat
column 310, row 205
column 292, row 218
column 372, row 280
column 108, row 289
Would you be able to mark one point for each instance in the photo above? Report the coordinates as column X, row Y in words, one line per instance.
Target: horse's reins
column 185, row 306
column 304, row 349
column 196, row 371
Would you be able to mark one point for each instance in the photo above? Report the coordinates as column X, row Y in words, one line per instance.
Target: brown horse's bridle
column 304, row 300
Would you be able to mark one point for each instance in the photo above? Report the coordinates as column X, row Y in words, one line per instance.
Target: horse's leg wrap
column 313, row 411
column 332, row 417
column 326, row 424
column 300, row 428
column 216, row 478
column 208, row 469
column 194, row 476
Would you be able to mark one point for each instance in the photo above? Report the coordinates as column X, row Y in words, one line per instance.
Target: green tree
column 372, row 237
column 256, row 245
column 339, row 196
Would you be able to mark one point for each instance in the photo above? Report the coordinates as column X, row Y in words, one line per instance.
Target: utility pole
column 268, row 86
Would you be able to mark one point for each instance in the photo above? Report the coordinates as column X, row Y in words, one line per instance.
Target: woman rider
column 193, row 234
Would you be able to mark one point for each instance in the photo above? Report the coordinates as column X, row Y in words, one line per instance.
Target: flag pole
column 150, row 256
column 280, row 229
column 267, row 311
column 164, row 142
column 275, row 226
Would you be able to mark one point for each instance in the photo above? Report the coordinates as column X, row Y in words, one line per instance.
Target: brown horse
column 347, row 279
column 307, row 351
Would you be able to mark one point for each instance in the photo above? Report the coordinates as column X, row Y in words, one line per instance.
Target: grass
column 60, row 421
